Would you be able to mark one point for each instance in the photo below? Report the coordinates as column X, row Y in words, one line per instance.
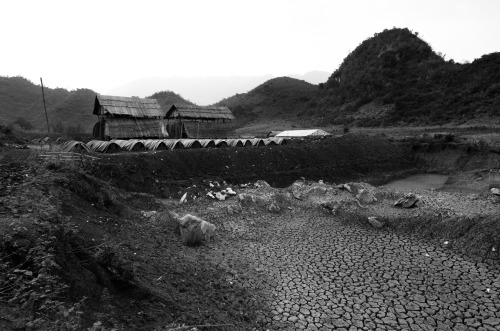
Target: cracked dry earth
column 321, row 273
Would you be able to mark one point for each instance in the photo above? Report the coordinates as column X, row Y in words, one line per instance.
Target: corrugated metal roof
column 199, row 112
column 135, row 107
column 303, row 133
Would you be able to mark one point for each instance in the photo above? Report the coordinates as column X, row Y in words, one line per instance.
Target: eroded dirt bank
column 333, row 159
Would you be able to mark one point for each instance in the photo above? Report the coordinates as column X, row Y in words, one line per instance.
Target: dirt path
column 320, row 273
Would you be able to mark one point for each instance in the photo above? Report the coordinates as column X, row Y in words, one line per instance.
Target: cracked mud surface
column 320, row 273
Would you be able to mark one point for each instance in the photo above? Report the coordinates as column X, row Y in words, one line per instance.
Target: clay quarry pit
column 294, row 249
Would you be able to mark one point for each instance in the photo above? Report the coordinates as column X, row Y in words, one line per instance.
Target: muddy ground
column 75, row 230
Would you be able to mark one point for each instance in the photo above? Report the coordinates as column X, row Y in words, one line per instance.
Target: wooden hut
column 126, row 118
column 200, row 122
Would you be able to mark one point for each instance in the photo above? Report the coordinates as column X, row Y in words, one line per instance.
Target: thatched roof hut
column 126, row 118
column 200, row 122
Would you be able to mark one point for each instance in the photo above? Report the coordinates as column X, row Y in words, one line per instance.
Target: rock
column 495, row 191
column 261, row 183
column 274, row 208
column 148, row 214
column 375, row 222
column 220, row 196
column 234, row 209
column 331, row 206
column 167, row 220
column 407, row 201
column 194, row 230
column 211, row 195
column 366, row 196
column 208, row 230
column 246, row 199
column 183, row 198
column 230, row 191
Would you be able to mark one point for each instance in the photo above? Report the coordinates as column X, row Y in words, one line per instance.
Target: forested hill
column 396, row 77
column 278, row 98
column 392, row 78
column 168, row 98
column 68, row 111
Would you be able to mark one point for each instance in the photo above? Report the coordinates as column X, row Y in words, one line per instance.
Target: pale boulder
column 194, row 230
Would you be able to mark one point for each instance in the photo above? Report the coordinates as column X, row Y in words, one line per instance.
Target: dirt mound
column 67, row 235
column 334, row 159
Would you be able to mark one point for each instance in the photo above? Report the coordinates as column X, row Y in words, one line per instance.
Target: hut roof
column 199, row 112
column 135, row 107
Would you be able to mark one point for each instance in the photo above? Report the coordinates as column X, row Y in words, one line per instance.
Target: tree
column 23, row 123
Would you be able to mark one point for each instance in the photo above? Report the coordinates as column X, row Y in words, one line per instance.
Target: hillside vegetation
column 278, row 98
column 398, row 69
column 392, row 78
column 21, row 104
column 167, row 98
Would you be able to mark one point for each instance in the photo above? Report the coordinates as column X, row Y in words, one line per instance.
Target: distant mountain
column 200, row 90
column 278, row 98
column 168, row 98
column 313, row 77
column 206, row 90
column 396, row 77
column 68, row 111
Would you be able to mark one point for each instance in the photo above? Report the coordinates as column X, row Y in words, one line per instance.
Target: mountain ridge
column 392, row 78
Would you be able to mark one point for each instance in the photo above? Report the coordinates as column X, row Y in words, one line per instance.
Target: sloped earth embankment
column 334, row 159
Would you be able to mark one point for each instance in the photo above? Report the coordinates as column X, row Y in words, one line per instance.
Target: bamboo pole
column 46, row 116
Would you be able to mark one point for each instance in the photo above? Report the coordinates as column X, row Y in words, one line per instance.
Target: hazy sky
column 105, row 44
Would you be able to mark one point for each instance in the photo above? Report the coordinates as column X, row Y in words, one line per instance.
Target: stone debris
column 148, row 214
column 495, row 191
column 409, row 200
column 234, row 209
column 194, row 230
column 220, row 196
column 274, row 208
column 366, row 196
column 375, row 222
column 183, row 198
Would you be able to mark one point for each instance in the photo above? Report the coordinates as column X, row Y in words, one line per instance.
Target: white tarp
column 303, row 133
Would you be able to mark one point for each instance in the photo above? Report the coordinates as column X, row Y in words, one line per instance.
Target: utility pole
column 46, row 116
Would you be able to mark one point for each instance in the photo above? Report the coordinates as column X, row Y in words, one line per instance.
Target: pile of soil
column 334, row 159
column 78, row 237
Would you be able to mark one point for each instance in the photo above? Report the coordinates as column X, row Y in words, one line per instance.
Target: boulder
column 168, row 221
column 365, row 196
column 274, row 208
column 261, row 183
column 407, row 201
column 208, row 230
column 148, row 214
column 230, row 191
column 375, row 222
column 220, row 196
column 495, row 191
column 191, row 230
